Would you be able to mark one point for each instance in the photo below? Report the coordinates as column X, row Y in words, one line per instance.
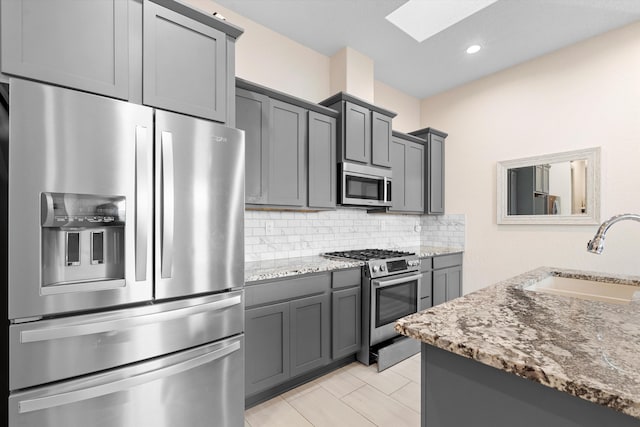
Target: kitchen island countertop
column 585, row 348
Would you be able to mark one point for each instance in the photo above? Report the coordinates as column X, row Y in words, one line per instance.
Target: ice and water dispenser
column 83, row 241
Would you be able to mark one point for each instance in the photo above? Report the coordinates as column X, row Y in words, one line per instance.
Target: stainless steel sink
column 587, row 289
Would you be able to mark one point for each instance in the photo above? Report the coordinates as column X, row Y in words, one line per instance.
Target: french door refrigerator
column 123, row 262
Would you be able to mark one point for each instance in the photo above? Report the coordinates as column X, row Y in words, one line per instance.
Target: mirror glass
column 561, row 188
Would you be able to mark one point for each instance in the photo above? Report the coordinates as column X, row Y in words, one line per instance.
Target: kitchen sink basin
column 587, row 289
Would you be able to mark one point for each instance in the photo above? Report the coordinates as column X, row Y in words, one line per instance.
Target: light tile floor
column 355, row 395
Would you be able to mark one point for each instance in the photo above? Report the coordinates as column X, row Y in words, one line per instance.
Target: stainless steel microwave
column 363, row 185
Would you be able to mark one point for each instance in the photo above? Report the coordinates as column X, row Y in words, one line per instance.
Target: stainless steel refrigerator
column 123, row 258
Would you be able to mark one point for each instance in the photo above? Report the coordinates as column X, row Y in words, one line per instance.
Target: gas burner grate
column 368, row 254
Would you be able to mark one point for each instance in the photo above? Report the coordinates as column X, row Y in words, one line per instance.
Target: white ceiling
column 510, row 31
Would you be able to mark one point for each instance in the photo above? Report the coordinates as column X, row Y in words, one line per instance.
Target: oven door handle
column 396, row 280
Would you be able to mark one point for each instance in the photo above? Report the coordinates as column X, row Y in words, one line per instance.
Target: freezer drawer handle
column 31, row 405
column 167, row 205
column 127, row 323
column 143, row 180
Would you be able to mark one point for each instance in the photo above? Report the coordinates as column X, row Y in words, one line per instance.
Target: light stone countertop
column 589, row 349
column 285, row 267
column 255, row 271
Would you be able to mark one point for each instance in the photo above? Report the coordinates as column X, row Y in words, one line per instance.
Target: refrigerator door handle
column 167, row 205
column 53, row 401
column 143, row 181
column 91, row 328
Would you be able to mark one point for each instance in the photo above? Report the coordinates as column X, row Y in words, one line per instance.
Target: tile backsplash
column 281, row 234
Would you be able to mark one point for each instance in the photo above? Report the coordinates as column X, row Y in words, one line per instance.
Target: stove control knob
column 376, row 268
column 383, row 268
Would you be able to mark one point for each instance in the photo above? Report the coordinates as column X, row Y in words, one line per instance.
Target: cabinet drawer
column 444, row 261
column 346, row 278
column 426, row 264
column 281, row 290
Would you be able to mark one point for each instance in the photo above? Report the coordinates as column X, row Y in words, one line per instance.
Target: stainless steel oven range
column 391, row 282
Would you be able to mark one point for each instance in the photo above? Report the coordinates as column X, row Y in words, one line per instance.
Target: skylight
column 422, row 19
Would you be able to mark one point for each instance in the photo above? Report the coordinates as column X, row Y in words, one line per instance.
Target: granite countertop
column 285, row 267
column 273, row 269
column 589, row 349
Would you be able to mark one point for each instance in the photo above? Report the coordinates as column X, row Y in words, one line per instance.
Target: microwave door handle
column 390, row 282
column 167, row 206
column 142, row 205
column 384, row 184
column 67, row 398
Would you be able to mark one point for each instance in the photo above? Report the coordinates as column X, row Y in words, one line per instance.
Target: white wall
column 407, row 106
column 268, row 58
column 585, row 95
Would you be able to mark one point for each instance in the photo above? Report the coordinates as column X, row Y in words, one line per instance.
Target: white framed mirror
column 560, row 188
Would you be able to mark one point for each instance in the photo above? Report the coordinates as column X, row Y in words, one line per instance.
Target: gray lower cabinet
column 288, row 338
column 184, row 64
column 267, row 343
column 252, row 116
column 287, row 166
column 309, row 333
column 434, row 161
column 78, row 44
column 322, row 186
column 407, row 164
column 447, row 284
column 346, row 322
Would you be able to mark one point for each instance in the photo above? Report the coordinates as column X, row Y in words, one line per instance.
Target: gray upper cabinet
column 434, row 188
column 287, row 169
column 184, row 64
column 290, row 149
column 407, row 164
column 357, row 123
column 78, row 44
column 252, row 116
column 364, row 134
column 322, row 161
column 380, row 139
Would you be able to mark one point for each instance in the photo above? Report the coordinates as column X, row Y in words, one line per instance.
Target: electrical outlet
column 383, row 226
column 268, row 228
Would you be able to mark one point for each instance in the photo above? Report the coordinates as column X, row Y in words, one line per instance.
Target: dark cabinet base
column 457, row 391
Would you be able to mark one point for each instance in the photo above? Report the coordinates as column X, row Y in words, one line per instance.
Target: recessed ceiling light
column 422, row 19
column 474, row 48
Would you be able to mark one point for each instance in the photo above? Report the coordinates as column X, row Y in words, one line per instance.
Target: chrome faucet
column 596, row 245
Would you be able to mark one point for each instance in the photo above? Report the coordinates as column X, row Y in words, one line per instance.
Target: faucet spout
column 596, row 245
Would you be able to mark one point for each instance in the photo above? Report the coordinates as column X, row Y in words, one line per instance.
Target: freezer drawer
column 198, row 387
column 53, row 350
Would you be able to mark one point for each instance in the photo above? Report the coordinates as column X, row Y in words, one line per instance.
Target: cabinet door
column 252, row 116
column 309, row 333
column 413, row 177
column 346, row 321
column 454, row 282
column 184, row 64
column 78, row 44
column 380, row 139
column 439, row 286
column 435, row 159
column 267, row 360
column 357, row 133
column 287, row 171
column 398, row 156
column 322, row 161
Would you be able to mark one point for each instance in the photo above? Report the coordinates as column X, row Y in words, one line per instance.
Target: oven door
column 391, row 299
